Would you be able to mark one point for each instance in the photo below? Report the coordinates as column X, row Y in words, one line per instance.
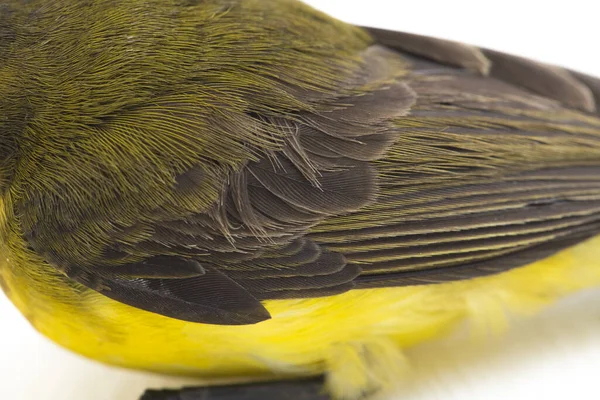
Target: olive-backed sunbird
column 252, row 188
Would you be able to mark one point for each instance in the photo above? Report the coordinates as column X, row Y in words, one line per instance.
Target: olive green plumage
column 193, row 158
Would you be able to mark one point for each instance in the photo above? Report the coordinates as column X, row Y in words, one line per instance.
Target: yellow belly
column 304, row 336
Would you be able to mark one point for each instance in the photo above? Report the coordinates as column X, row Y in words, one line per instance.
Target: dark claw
column 311, row 389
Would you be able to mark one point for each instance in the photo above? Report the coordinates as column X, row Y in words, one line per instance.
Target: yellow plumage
column 338, row 334
column 171, row 171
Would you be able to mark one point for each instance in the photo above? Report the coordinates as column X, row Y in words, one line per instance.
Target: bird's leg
column 306, row 389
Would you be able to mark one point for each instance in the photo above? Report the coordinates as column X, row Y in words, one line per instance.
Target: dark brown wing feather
column 496, row 165
column 216, row 266
column 490, row 172
column 445, row 52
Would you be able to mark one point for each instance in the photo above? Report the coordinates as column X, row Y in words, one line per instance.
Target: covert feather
column 172, row 169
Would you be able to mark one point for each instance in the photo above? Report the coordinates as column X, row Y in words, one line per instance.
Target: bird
column 253, row 189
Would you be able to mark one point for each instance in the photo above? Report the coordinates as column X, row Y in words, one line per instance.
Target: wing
column 498, row 166
column 184, row 187
column 424, row 161
column 251, row 245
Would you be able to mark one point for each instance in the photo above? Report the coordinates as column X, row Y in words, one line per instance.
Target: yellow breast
column 304, row 336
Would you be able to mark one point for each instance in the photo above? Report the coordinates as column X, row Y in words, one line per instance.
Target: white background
column 553, row 356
